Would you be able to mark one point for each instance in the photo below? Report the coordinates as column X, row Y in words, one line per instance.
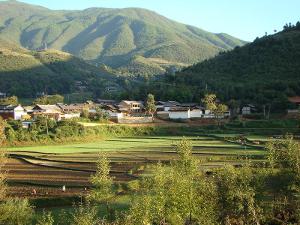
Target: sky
column 245, row 19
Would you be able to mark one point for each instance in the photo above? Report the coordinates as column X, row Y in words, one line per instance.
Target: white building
column 14, row 112
column 196, row 113
column 179, row 113
column 68, row 116
column 248, row 109
column 131, row 106
column 166, row 106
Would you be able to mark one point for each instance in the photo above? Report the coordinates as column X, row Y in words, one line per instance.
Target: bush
column 16, row 212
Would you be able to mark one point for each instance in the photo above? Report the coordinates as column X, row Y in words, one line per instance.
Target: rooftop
column 294, row 99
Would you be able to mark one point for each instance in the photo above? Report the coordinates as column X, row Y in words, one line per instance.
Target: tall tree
column 176, row 194
column 237, row 196
column 209, row 101
column 2, row 161
column 284, row 179
column 218, row 109
column 103, row 183
column 150, row 105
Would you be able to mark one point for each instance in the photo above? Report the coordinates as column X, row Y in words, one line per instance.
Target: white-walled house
column 177, row 113
column 16, row 112
column 131, row 106
column 115, row 115
column 196, row 112
column 248, row 109
column 68, row 116
column 166, row 106
column 113, row 112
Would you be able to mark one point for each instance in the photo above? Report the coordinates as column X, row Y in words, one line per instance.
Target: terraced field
column 47, row 168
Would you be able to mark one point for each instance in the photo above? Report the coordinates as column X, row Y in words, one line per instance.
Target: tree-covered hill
column 25, row 73
column 266, row 71
column 114, row 37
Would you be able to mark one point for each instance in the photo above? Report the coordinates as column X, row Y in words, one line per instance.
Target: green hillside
column 266, row 71
column 111, row 36
column 25, row 73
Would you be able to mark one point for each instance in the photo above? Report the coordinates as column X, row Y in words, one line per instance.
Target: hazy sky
column 245, row 19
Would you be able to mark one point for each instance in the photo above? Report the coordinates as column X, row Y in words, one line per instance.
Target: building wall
column 7, row 115
column 19, row 113
column 196, row 113
column 246, row 110
column 180, row 115
column 162, row 115
column 115, row 115
column 71, row 116
column 135, row 120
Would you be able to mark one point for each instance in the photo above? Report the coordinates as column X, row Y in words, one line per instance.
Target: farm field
column 47, row 168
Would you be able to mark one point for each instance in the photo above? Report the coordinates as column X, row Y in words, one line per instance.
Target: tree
column 210, row 101
column 2, row 131
column 176, row 194
column 237, row 196
column 3, row 187
column 85, row 113
column 234, row 106
column 150, row 105
column 43, row 124
column 85, row 215
column 16, row 212
column 45, row 219
column 100, row 115
column 284, row 179
column 13, row 100
column 49, row 99
column 103, row 183
column 219, row 112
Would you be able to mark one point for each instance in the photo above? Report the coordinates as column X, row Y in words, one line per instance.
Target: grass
column 143, row 144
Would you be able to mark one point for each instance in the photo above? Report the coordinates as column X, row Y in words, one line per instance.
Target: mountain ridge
column 110, row 36
column 25, row 73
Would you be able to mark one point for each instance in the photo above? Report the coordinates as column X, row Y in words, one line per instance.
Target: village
column 123, row 112
column 129, row 111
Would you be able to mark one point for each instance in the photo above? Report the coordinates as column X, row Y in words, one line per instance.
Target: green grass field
column 141, row 144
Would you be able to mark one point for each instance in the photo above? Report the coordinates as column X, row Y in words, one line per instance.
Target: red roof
column 295, row 99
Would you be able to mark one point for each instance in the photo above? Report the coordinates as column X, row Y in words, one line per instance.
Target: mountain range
column 131, row 40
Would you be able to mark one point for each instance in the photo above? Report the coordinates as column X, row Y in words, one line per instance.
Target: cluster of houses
column 117, row 111
column 124, row 111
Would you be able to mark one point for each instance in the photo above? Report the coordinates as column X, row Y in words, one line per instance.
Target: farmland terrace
column 41, row 171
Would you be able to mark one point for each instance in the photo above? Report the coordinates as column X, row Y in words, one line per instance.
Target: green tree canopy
column 49, row 99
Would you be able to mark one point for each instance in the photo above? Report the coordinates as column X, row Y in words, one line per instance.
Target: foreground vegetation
column 179, row 193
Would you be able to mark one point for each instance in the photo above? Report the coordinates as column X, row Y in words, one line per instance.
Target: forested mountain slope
column 266, row 71
column 25, row 73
